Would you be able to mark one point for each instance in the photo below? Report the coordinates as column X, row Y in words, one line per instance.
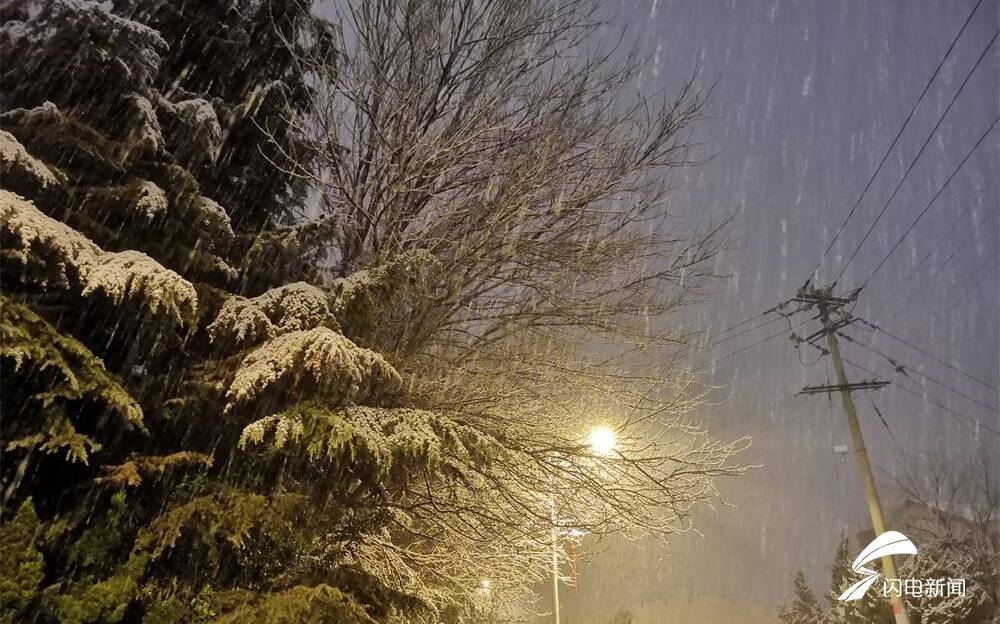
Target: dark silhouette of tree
column 805, row 608
column 622, row 617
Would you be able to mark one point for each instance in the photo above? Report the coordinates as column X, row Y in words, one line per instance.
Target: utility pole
column 555, row 573
column 555, row 552
column 828, row 305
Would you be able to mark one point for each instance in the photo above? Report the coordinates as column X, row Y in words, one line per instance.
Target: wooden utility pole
column 827, row 304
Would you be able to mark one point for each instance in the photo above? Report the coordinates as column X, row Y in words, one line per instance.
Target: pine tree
column 141, row 347
column 805, row 608
column 245, row 58
column 936, row 559
column 21, row 562
column 872, row 609
column 939, row 559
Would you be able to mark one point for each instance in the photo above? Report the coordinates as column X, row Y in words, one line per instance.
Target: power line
column 762, row 340
column 904, row 369
column 987, row 267
column 954, row 252
column 748, row 330
column 749, row 320
column 958, row 247
column 776, row 309
column 920, row 152
column 929, row 401
column 940, row 267
column 781, row 316
column 924, row 352
column 895, row 139
column 689, row 346
column 965, row 210
column 933, row 199
column 885, row 423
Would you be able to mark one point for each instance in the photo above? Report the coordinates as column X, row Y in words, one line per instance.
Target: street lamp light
column 602, row 441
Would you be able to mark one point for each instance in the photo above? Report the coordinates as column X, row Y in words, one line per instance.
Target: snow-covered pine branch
column 318, row 361
column 66, row 257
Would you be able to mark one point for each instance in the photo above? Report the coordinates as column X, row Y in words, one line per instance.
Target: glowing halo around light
column 602, row 441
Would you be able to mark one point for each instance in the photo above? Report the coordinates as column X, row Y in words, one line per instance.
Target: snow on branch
column 39, row 236
column 66, row 256
column 192, row 129
column 55, row 371
column 293, row 307
column 138, row 469
column 393, row 443
column 63, row 36
column 210, row 215
column 129, row 274
column 318, row 360
column 20, row 168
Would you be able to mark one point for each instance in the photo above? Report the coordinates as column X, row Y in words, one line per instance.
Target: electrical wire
column 895, row 139
column 776, row 309
column 882, row 330
column 761, row 341
column 688, row 347
column 961, row 244
column 748, row 330
column 961, row 215
column 888, row 429
column 975, row 422
column 932, row 200
column 904, row 369
column 935, row 270
column 920, row 152
column 972, row 284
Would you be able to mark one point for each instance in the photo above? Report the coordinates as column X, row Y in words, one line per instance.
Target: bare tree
column 493, row 197
column 497, row 142
column 501, row 520
column 962, row 506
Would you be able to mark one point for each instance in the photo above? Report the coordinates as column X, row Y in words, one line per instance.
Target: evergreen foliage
column 805, row 608
column 872, row 608
column 133, row 183
column 21, row 561
column 381, row 444
column 935, row 559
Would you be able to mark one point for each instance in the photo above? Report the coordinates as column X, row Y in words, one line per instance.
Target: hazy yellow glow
column 602, row 440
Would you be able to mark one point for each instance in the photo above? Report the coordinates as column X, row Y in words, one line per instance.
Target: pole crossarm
column 833, row 327
column 873, row 384
column 824, row 296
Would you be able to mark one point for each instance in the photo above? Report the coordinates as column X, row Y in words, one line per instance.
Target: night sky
column 809, row 96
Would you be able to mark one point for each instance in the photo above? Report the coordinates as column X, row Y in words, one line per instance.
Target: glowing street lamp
column 602, row 441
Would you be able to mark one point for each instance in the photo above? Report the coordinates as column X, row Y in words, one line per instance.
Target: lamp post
column 555, row 564
column 485, row 587
column 602, row 442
